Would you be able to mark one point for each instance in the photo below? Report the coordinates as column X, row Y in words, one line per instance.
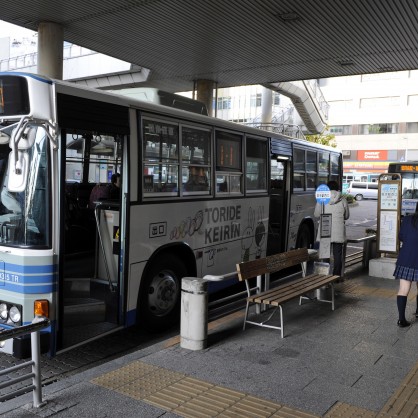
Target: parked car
column 363, row 190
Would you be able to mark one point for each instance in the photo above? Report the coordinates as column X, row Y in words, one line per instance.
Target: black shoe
column 402, row 323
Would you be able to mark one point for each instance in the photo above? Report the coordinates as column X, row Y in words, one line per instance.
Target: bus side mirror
column 21, row 141
column 18, row 171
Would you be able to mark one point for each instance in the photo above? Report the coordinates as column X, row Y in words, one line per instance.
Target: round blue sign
column 323, row 194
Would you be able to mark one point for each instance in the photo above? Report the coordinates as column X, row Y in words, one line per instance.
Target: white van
column 363, row 189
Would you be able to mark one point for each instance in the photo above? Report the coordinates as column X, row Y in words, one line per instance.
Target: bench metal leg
column 246, row 314
column 264, row 323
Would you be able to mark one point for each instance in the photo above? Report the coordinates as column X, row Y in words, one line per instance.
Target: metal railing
column 362, row 256
column 37, row 324
column 294, row 131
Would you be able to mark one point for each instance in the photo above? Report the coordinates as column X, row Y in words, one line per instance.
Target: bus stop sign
column 323, row 194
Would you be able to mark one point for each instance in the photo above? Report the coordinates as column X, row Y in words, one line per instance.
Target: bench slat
column 293, row 290
column 271, row 264
column 286, row 287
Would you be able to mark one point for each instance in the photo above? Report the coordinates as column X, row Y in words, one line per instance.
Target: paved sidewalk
column 351, row 362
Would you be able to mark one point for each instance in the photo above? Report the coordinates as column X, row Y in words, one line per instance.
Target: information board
column 388, row 215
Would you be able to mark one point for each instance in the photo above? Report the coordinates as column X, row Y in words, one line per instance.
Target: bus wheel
column 160, row 295
column 304, row 237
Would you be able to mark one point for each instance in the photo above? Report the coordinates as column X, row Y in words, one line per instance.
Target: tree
column 323, row 138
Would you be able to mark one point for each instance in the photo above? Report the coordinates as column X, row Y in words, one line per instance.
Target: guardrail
column 37, row 324
column 363, row 256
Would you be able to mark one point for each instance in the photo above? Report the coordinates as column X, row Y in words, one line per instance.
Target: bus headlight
column 3, row 311
column 15, row 314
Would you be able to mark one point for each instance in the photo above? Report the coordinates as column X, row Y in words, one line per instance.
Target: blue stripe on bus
column 29, row 279
column 31, row 269
column 25, row 289
column 11, row 277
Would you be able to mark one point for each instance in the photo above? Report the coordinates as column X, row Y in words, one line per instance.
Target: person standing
column 114, row 187
column 406, row 270
column 338, row 208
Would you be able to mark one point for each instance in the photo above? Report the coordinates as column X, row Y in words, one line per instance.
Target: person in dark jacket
column 406, row 270
column 114, row 187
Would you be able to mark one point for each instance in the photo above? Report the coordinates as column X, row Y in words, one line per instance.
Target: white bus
column 408, row 171
column 197, row 195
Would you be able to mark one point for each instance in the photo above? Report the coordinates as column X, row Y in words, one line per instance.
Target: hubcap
column 163, row 293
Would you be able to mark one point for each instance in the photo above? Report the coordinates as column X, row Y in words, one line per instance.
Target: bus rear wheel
column 159, row 301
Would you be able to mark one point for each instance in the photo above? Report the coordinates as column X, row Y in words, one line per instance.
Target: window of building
column 379, row 128
column 411, row 127
column 224, row 103
column 276, row 99
column 341, row 130
column 255, row 100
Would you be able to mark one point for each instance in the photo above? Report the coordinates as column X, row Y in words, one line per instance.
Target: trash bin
column 194, row 313
column 321, row 268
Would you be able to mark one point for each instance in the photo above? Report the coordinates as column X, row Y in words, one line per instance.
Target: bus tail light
column 41, row 308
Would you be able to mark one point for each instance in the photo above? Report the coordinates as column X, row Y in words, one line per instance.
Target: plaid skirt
column 406, row 273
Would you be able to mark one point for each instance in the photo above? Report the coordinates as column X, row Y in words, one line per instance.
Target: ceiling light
column 345, row 62
column 288, row 17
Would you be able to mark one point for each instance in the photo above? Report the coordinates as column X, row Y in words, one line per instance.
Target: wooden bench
column 277, row 296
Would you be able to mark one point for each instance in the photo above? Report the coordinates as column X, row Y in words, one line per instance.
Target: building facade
column 374, row 118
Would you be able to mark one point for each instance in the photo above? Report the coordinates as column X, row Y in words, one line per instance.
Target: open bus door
column 90, row 296
column 278, row 213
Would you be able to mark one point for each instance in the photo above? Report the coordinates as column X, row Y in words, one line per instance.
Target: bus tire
column 304, row 239
column 159, row 301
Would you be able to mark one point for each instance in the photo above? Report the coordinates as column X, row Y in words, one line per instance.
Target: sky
column 13, row 31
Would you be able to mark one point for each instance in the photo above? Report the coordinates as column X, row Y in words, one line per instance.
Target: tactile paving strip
column 189, row 397
column 194, row 398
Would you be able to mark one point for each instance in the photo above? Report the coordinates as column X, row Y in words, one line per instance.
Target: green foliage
column 349, row 198
column 323, row 139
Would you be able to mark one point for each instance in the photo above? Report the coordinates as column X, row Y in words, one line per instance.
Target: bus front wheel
column 159, row 302
column 304, row 237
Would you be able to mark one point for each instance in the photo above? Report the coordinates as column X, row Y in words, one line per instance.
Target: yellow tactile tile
column 286, row 412
column 190, row 397
column 124, row 375
column 343, row 410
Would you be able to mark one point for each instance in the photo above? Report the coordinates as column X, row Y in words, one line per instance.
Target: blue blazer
column 408, row 234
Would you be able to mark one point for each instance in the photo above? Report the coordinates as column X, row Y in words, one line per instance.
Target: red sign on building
column 379, row 155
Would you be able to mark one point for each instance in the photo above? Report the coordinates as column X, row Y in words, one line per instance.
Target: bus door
column 278, row 213
column 90, row 297
column 91, row 292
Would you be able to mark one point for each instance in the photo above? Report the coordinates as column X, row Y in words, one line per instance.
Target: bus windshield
column 24, row 216
column 409, row 186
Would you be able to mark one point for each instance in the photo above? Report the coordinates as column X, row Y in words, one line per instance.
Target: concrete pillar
column 194, row 313
column 204, row 93
column 266, row 105
column 50, row 50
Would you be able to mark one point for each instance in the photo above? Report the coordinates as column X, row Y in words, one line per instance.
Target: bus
column 409, row 177
column 197, row 195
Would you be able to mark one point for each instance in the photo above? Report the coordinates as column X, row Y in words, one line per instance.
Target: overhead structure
column 236, row 42
column 306, row 103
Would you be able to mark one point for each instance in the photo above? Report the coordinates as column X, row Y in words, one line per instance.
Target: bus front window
column 25, row 216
